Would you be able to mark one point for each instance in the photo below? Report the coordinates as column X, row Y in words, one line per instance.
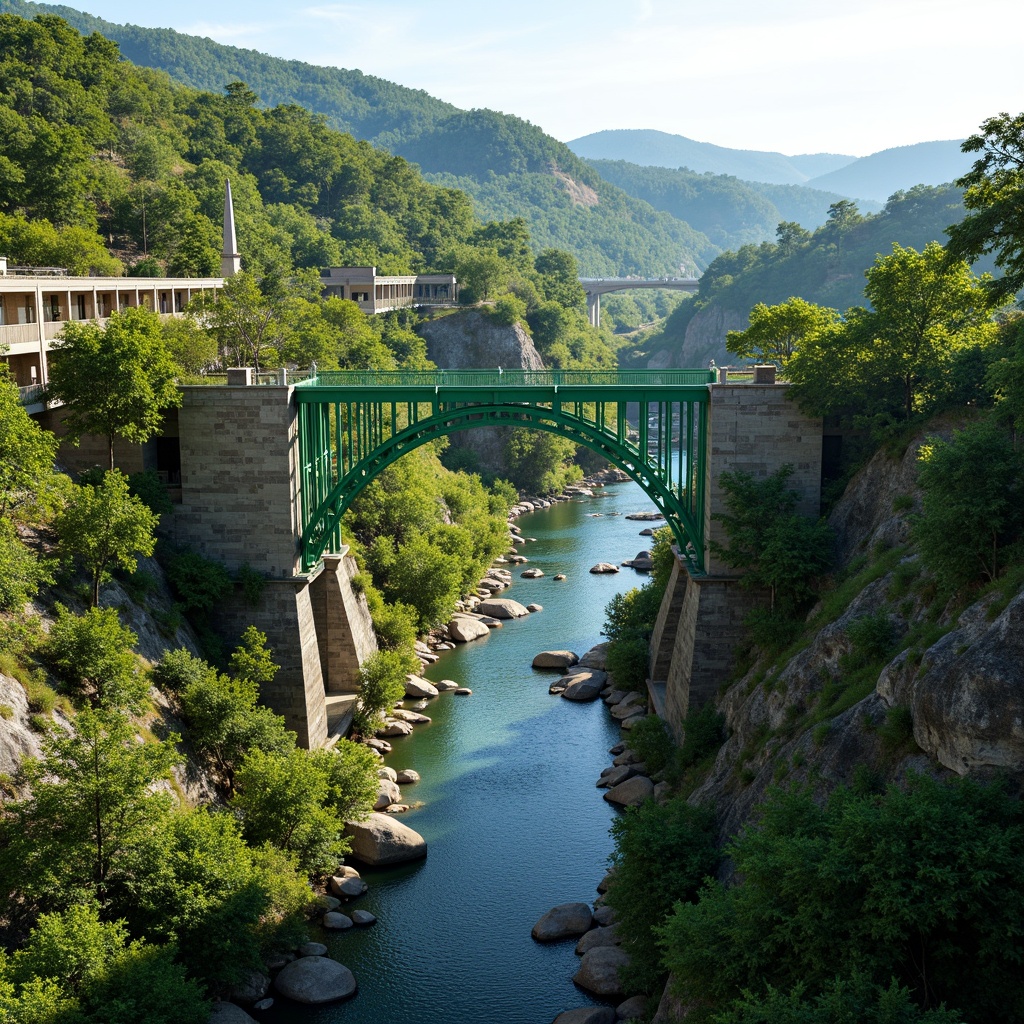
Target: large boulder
column 555, row 659
column 566, row 921
column 596, row 657
column 631, row 793
column 597, row 937
column 632, row 1009
column 464, row 629
column 587, row 1015
column 251, row 989
column 584, row 685
column 603, row 568
column 599, row 971
column 503, row 608
column 417, row 686
column 383, row 840
column 228, row 1013
column 315, row 980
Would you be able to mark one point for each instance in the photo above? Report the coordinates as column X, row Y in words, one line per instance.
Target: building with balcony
column 378, row 293
column 36, row 303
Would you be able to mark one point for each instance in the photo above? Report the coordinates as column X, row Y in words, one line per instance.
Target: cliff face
column 948, row 698
column 472, row 340
column 704, row 340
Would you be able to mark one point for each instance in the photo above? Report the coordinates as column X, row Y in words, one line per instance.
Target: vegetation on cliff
column 868, row 781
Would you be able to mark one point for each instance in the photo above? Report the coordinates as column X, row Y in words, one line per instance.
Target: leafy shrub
column 252, row 583
column 651, row 740
column 872, row 637
column 662, row 855
column 148, row 487
column 22, row 573
column 381, row 684
column 702, row 735
column 918, row 883
column 199, row 583
column 92, row 653
column 897, row 731
column 627, row 662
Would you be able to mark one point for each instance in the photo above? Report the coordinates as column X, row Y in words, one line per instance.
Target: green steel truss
column 352, row 425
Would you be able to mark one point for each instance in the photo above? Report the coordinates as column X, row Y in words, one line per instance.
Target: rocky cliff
column 470, row 339
column 704, row 340
column 939, row 689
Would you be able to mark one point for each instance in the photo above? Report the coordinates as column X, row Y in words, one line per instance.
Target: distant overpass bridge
column 595, row 287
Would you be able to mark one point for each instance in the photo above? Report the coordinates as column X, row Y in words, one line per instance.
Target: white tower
column 230, row 261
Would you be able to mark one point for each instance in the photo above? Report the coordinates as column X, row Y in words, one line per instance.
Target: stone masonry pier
column 755, row 429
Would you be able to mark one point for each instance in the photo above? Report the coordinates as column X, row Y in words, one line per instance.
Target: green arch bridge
column 353, row 424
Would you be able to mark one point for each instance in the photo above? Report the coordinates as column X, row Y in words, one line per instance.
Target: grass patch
column 897, row 731
column 6, row 712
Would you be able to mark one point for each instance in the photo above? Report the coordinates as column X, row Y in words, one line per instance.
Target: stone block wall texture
column 344, row 628
column 710, row 628
column 239, row 477
column 757, row 429
column 91, row 449
column 285, row 612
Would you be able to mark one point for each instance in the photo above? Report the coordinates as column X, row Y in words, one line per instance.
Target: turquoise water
column 514, row 822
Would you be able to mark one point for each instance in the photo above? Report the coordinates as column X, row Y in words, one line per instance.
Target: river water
column 514, row 822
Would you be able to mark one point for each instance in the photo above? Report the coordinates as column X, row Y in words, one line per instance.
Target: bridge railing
column 497, row 378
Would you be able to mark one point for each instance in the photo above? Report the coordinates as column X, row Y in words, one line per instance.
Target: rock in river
column 566, row 921
column 604, row 567
column 587, row 1015
column 599, row 971
column 465, row 629
column 315, row 979
column 632, row 792
column 584, row 685
column 555, row 659
column 417, row 686
column 382, row 840
column 228, row 1013
column 503, row 608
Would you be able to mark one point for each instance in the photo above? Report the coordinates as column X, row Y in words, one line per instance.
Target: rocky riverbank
column 627, row 783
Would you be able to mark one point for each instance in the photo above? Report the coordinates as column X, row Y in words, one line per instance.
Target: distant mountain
column 729, row 211
column 660, row 149
column 880, row 175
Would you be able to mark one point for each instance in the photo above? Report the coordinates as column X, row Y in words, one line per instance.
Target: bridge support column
column 344, row 631
column 594, row 308
column 693, row 649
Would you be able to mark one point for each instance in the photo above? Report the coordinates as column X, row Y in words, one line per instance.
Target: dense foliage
column 921, row 884
column 729, row 211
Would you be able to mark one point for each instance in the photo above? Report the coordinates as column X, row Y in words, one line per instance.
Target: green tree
column 103, row 526
column 252, row 661
column 75, row 967
column 284, row 800
column 26, row 454
column 22, row 573
column 560, row 278
column 93, row 654
column 994, row 196
column 663, row 854
column 117, row 380
column 925, row 309
column 972, row 504
column 771, row 544
column 920, row 883
column 247, row 319
column 776, row 332
column 381, row 684
column 198, row 884
column 92, row 801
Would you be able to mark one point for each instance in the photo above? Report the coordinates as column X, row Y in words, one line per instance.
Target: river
column 514, row 822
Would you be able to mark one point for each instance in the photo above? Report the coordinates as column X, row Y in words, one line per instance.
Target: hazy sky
column 797, row 76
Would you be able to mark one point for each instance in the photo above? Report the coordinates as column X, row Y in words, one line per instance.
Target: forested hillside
column 825, row 266
column 729, row 211
column 510, row 167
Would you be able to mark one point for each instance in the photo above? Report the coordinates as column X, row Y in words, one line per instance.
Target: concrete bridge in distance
column 595, row 287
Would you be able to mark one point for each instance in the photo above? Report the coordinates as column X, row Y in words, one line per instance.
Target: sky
column 794, row 76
